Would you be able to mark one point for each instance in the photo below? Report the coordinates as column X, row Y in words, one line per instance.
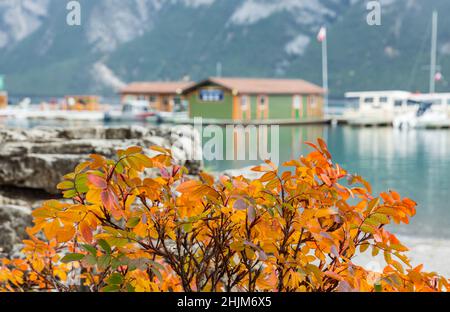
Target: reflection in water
column 414, row 163
column 291, row 145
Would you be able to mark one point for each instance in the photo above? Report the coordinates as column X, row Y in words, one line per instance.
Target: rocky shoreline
column 32, row 163
column 38, row 158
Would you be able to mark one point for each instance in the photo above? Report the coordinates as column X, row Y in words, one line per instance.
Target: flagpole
column 325, row 68
column 433, row 52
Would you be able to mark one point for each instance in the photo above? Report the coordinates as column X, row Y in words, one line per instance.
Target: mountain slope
column 121, row 41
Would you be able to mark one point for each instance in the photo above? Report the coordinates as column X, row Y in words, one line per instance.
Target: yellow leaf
column 325, row 212
column 367, row 229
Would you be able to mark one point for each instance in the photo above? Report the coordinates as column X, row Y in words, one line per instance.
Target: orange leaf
column 97, row 181
column 326, row 179
column 188, row 186
column 86, row 232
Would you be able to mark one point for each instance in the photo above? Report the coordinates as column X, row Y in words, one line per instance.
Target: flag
column 322, row 35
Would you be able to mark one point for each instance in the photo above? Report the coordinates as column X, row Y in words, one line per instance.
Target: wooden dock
column 281, row 122
column 435, row 125
column 369, row 122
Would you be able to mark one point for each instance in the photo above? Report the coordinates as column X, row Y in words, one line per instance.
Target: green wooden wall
column 211, row 110
column 280, row 107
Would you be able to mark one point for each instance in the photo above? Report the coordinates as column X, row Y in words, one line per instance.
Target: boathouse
column 3, row 94
column 249, row 100
column 3, row 99
column 161, row 95
column 81, row 103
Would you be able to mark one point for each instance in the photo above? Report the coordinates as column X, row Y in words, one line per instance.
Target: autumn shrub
column 297, row 230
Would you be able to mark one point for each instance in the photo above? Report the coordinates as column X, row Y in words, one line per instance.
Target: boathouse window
column 313, row 101
column 368, row 100
column 297, row 103
column 152, row 99
column 448, row 102
column 262, row 101
column 211, row 95
column 398, row 103
column 244, row 102
column 383, row 99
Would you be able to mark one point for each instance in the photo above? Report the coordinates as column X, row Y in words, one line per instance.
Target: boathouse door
column 245, row 110
column 297, row 107
column 262, row 111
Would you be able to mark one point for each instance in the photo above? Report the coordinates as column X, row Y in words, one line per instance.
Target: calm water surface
column 415, row 163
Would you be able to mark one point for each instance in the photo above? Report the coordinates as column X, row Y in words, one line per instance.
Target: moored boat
column 378, row 108
column 169, row 117
column 132, row 110
column 427, row 116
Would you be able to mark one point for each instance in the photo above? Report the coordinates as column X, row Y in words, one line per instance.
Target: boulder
column 13, row 222
column 39, row 157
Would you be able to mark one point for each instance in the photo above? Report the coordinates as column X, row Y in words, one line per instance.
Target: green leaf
column 90, row 259
column 115, row 263
column 119, row 168
column 378, row 288
column 187, row 227
column 381, row 218
column 367, row 229
column 66, row 185
column 118, row 241
column 133, row 222
column 372, row 221
column 103, row 262
column 81, row 179
column 111, row 288
column 157, row 273
column 105, row 246
column 115, row 279
column 72, row 257
column 156, row 264
column 90, row 249
column 81, row 183
column 70, row 194
column 130, row 288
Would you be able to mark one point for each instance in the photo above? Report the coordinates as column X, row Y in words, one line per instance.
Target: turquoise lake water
column 415, row 163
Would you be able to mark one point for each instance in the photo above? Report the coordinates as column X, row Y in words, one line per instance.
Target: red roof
column 263, row 86
column 156, row 87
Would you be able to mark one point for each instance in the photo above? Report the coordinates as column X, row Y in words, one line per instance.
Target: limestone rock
column 13, row 222
column 39, row 157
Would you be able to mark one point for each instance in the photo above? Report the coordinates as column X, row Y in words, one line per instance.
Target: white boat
column 169, row 117
column 131, row 110
column 378, row 107
column 428, row 115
